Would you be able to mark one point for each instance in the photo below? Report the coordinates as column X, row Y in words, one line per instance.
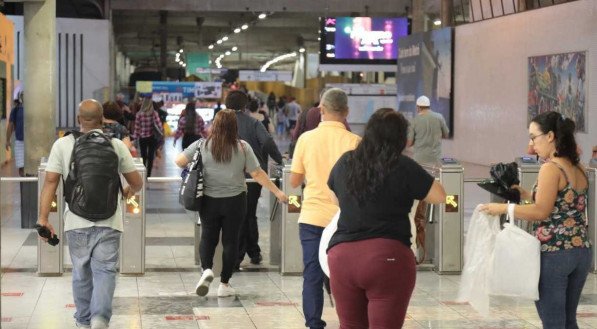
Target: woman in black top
column 372, row 269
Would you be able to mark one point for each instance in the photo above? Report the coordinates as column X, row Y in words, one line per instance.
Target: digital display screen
column 361, row 40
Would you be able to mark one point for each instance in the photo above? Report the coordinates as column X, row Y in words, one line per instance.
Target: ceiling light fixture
column 237, row 30
column 437, row 22
column 262, row 15
column 301, row 50
column 181, row 50
column 210, row 47
column 219, row 42
column 177, row 59
column 228, row 53
column 234, row 48
column 276, row 60
column 225, row 38
column 244, row 27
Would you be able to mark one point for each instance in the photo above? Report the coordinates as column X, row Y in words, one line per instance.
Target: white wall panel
column 490, row 78
column 83, row 62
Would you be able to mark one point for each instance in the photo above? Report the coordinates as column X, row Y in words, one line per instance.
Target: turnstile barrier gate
column 291, row 258
column 444, row 242
column 528, row 171
column 132, row 239
column 50, row 259
column 275, row 218
column 591, row 212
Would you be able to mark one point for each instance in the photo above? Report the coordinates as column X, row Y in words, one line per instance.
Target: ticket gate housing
column 292, row 258
column 132, row 239
column 50, row 259
column 591, row 211
column 444, row 230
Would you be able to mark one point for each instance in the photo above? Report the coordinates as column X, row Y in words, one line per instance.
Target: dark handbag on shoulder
column 191, row 189
column 156, row 132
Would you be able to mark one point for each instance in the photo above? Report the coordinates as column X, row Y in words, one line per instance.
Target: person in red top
column 146, row 121
column 190, row 126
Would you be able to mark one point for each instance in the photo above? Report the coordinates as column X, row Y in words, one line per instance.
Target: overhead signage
column 168, row 90
column 206, row 70
column 249, row 75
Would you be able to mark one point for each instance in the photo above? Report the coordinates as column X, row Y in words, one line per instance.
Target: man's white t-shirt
column 58, row 162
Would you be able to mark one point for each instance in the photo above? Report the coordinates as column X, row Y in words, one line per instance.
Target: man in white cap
column 425, row 133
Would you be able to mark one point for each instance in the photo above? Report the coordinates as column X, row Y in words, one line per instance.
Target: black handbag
column 191, row 189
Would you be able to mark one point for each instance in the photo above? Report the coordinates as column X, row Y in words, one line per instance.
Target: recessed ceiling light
column 225, row 39
column 234, row 48
column 227, row 53
column 262, row 15
column 244, row 27
column 301, row 50
column 219, row 41
column 437, row 22
column 237, row 30
column 177, row 59
column 211, row 47
column 181, row 50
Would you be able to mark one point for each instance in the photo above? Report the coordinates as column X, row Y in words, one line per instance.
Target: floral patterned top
column 566, row 227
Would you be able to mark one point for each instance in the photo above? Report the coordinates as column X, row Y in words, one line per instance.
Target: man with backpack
column 90, row 164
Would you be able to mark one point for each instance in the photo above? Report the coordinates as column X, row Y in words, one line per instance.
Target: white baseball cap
column 423, row 101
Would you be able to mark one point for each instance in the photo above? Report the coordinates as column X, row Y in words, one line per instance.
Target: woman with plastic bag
column 372, row 268
column 558, row 210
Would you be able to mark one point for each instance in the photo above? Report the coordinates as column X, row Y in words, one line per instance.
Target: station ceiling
column 194, row 25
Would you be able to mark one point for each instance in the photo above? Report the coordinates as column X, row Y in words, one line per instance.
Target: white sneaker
column 98, row 323
column 225, row 290
column 202, row 287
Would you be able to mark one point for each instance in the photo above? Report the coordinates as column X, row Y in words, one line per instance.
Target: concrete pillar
column 447, row 17
column 40, row 81
column 418, row 16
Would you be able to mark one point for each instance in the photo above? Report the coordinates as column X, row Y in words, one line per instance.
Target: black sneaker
column 256, row 260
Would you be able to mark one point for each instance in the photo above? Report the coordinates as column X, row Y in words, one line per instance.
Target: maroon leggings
column 372, row 281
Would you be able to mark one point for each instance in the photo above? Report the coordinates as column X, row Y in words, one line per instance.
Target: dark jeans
column 372, row 282
column 313, row 275
column 226, row 215
column 188, row 140
column 249, row 232
column 563, row 275
column 148, row 147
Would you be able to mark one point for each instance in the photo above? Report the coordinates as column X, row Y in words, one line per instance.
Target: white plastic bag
column 326, row 236
column 516, row 263
column 478, row 251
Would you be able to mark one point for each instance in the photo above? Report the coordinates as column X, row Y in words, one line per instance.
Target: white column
column 40, row 81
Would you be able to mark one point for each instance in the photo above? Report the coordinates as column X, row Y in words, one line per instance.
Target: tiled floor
column 164, row 297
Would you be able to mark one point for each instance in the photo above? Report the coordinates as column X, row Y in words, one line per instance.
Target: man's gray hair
column 335, row 100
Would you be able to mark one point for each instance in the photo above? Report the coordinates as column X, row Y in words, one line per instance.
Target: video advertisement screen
column 361, row 40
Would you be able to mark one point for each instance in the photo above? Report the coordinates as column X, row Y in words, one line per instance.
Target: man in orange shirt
column 315, row 154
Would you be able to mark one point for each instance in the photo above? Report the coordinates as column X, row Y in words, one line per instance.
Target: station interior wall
column 95, row 54
column 491, row 79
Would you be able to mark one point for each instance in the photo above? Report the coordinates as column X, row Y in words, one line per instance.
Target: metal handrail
column 475, row 180
column 178, row 179
column 166, row 179
column 18, row 179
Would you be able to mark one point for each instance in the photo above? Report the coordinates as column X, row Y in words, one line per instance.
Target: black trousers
column 148, row 146
column 249, row 232
column 188, row 140
column 225, row 215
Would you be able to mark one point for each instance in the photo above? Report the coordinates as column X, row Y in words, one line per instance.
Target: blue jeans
column 563, row 275
column 94, row 253
column 313, row 275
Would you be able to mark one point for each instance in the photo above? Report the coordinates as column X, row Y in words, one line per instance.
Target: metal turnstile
column 275, row 218
column 528, row 171
column 446, row 224
column 50, row 259
column 132, row 240
column 591, row 212
column 292, row 258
